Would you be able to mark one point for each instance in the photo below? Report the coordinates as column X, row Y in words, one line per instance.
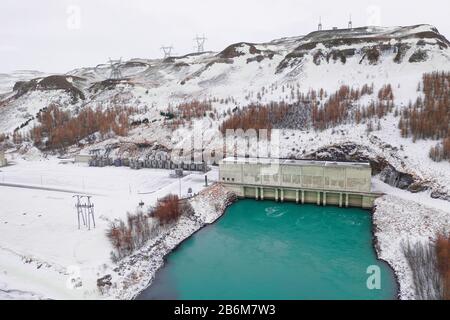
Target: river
column 269, row 250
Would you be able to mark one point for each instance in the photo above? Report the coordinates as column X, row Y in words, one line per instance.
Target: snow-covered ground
column 137, row 272
column 400, row 217
column 41, row 248
column 250, row 73
column 7, row 81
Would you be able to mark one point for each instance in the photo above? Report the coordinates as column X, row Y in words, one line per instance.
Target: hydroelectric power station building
column 304, row 181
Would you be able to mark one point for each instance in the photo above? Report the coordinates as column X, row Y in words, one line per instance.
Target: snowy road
column 23, row 186
column 40, row 244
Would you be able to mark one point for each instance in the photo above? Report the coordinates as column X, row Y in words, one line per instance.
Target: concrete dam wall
column 304, row 181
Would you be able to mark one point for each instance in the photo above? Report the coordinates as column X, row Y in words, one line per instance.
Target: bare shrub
column 429, row 117
column 194, row 109
column 342, row 106
column 3, row 137
column 129, row 236
column 58, row 129
column 168, row 209
column 443, row 260
column 386, row 93
column 422, row 259
column 441, row 151
column 132, row 234
column 256, row 117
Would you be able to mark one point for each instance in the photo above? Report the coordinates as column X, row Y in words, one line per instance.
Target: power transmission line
column 116, row 74
column 200, row 41
column 167, row 51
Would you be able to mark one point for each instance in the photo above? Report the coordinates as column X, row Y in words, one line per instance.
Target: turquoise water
column 269, row 250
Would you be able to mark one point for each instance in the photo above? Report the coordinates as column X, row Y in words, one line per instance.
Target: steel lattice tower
column 167, row 51
column 200, row 41
column 116, row 74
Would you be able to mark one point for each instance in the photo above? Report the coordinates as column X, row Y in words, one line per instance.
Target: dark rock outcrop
column 54, row 82
column 418, row 56
column 396, row 179
column 104, row 282
column 439, row 194
column 369, row 45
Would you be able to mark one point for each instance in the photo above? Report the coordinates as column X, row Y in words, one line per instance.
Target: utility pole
column 350, row 23
column 85, row 211
column 90, row 212
column 80, row 212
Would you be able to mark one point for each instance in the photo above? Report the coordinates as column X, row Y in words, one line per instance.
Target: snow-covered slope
column 247, row 72
column 237, row 76
column 8, row 80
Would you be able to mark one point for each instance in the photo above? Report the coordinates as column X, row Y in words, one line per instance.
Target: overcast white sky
column 60, row 35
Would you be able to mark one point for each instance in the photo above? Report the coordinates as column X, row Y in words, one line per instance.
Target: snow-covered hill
column 239, row 75
column 8, row 80
column 246, row 72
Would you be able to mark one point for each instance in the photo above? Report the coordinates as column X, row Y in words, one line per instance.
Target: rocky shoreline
column 390, row 227
column 376, row 248
column 396, row 221
column 136, row 272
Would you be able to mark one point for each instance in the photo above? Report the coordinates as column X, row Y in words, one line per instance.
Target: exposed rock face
column 109, row 84
column 347, row 152
column 418, row 56
column 54, row 82
column 230, row 53
column 236, row 50
column 438, row 194
column 104, row 283
column 395, row 178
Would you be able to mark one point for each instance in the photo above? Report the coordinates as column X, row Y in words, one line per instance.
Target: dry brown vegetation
column 193, row 109
column 168, row 209
column 323, row 110
column 17, row 137
column 126, row 237
column 255, row 117
column 58, row 129
column 129, row 236
column 184, row 113
column 430, row 266
column 342, row 106
column 441, row 151
column 429, row 117
column 386, row 93
column 443, row 259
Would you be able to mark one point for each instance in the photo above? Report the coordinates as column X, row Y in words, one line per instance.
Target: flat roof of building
column 241, row 160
